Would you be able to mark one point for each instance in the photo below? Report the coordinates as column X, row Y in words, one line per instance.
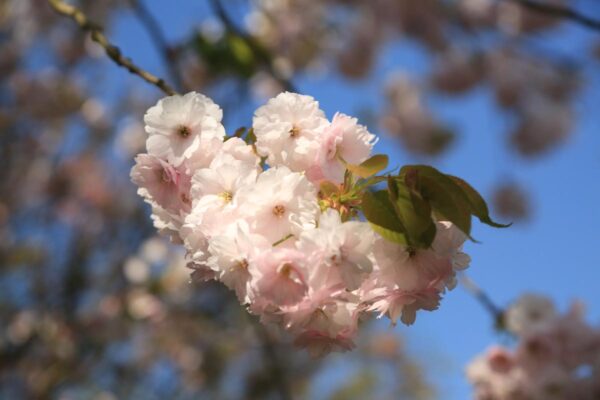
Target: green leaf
column 363, row 184
column 479, row 207
column 380, row 213
column 413, row 212
column 446, row 198
column 370, row 166
column 230, row 54
column 348, row 181
column 392, row 236
column 240, row 49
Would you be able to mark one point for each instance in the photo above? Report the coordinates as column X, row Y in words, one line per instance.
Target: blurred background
column 94, row 305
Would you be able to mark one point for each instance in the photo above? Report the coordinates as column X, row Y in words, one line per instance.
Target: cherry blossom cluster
column 251, row 214
column 557, row 356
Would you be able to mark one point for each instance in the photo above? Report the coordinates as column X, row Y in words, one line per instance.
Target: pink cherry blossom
column 161, row 183
column 280, row 203
column 232, row 257
column 339, row 251
column 177, row 126
column 280, row 276
column 263, row 230
column 555, row 357
column 288, row 130
column 344, row 141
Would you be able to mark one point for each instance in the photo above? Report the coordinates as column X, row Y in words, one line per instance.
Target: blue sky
column 556, row 253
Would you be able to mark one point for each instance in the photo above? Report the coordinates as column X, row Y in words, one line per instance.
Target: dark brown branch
column 560, row 12
column 168, row 53
column 259, row 51
column 113, row 52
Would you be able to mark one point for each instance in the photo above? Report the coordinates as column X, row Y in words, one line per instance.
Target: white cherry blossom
column 252, row 216
column 281, row 203
column 289, row 130
column 180, row 126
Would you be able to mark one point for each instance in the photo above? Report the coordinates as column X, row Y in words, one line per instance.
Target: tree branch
column 482, row 297
column 275, row 366
column 560, row 12
column 274, row 363
column 113, row 52
column 169, row 55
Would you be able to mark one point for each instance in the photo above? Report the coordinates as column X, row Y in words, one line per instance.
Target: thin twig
column 153, row 28
column 560, row 12
column 256, row 47
column 496, row 312
column 113, row 52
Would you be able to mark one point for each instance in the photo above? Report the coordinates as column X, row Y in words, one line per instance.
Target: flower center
column 286, row 269
column 318, row 314
column 164, row 176
column 278, row 210
column 226, row 196
column 185, row 198
column 294, row 132
column 336, row 258
column 242, row 264
column 183, row 131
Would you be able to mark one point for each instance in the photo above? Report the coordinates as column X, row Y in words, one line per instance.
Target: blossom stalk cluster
column 251, row 214
column 557, row 356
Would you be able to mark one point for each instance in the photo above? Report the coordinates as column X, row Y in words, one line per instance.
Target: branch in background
column 113, row 52
column 276, row 367
column 169, row 55
column 482, row 297
column 560, row 12
column 266, row 59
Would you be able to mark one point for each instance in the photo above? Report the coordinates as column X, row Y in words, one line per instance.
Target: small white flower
column 179, row 125
column 208, row 150
column 281, row 203
column 448, row 242
column 280, row 276
column 200, row 226
column 166, row 223
column 288, row 130
column 395, row 267
column 338, row 249
column 160, row 182
column 418, row 269
column 344, row 139
column 217, row 186
column 239, row 150
column 231, row 255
